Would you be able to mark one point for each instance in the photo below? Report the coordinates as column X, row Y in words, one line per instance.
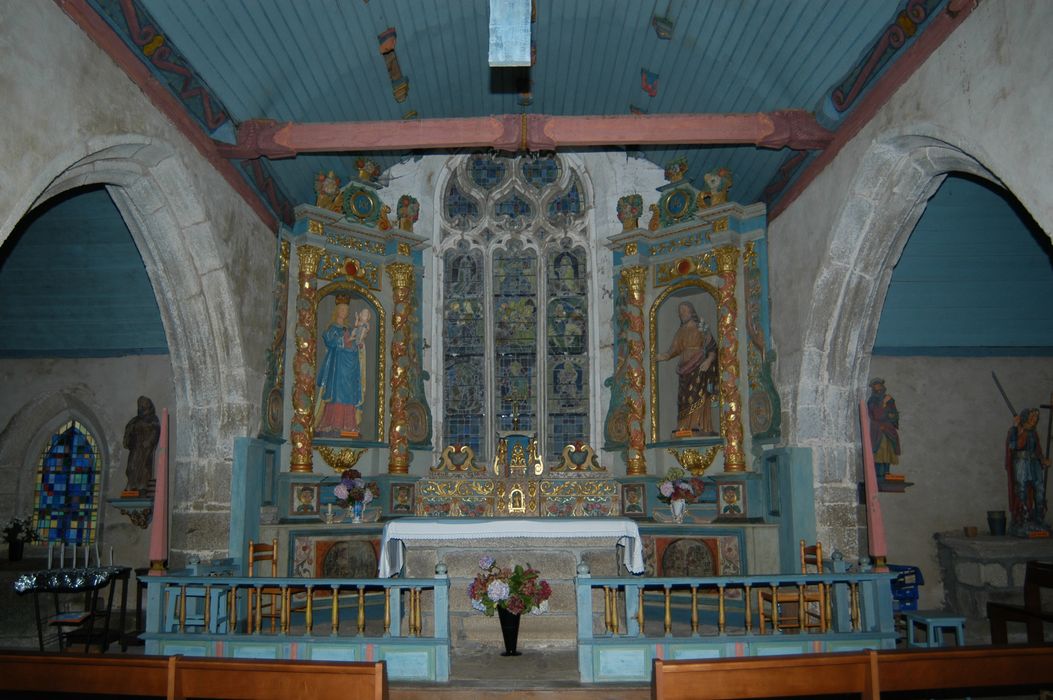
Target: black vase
column 15, row 550
column 509, row 630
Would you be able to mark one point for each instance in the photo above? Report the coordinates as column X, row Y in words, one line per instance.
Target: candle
column 111, row 555
column 98, row 562
column 51, row 552
column 62, row 555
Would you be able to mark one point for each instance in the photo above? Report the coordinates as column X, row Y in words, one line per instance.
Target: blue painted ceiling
column 72, row 281
column 320, row 61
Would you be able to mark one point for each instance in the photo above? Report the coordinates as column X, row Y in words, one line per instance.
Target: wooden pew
column 178, row 677
column 866, row 674
column 806, row 675
column 1037, row 576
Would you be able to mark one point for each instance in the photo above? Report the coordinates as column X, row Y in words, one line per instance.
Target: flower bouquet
column 518, row 590
column 679, row 485
column 678, row 489
column 354, row 493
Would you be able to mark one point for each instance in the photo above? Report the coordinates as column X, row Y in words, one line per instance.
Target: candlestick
column 51, row 552
column 111, row 555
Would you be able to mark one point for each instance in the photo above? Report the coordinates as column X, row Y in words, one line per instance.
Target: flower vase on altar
column 509, row 631
column 677, row 507
column 356, row 512
column 678, row 489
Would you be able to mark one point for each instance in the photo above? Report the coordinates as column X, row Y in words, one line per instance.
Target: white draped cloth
column 621, row 530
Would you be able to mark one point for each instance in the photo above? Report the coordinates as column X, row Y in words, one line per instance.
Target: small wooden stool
column 934, row 622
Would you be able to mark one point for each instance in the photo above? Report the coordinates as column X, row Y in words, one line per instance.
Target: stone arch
column 893, row 182
column 156, row 195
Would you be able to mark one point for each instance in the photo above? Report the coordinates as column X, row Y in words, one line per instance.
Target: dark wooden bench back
column 1037, row 576
column 178, row 677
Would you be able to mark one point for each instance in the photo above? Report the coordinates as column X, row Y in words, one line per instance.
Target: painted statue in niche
column 342, row 375
column 884, row 428
column 697, row 379
column 1026, row 466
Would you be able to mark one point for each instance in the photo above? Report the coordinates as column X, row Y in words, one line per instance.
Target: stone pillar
column 727, row 328
column 402, row 284
column 301, row 429
column 633, row 281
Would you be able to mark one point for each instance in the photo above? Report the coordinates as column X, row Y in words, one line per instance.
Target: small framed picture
column 732, row 501
column 402, row 498
column 304, row 499
column 634, row 501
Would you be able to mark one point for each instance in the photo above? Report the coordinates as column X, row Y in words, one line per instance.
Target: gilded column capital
column 727, row 258
column 401, row 274
column 635, row 280
column 309, row 255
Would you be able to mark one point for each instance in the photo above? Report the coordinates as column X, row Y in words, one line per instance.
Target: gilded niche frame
column 379, row 347
column 700, row 293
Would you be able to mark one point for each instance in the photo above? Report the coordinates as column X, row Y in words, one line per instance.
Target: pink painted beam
column 509, row 132
column 875, row 520
column 159, row 526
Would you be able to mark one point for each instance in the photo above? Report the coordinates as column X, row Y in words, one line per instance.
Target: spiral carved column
column 730, row 400
column 402, row 279
column 633, row 281
column 301, row 430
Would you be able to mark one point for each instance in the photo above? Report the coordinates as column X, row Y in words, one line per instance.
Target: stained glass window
column 463, row 338
column 515, row 337
column 568, row 347
column 68, row 483
column 515, row 351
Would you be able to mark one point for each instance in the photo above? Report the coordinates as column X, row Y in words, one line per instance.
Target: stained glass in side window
column 460, row 206
column 67, row 488
column 540, row 172
column 487, row 172
column 568, row 203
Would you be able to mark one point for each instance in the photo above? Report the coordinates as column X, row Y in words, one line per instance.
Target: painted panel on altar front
column 692, row 556
column 687, row 397
column 328, row 556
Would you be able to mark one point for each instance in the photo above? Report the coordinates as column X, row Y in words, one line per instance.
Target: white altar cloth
column 392, row 549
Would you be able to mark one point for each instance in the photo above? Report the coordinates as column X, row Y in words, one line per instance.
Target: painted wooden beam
column 794, row 129
column 875, row 98
column 104, row 37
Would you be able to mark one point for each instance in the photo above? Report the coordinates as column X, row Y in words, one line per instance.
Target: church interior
column 730, row 321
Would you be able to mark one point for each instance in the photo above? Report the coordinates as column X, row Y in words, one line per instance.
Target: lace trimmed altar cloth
column 621, row 530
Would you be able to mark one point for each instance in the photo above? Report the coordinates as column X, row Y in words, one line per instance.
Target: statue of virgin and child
column 341, row 378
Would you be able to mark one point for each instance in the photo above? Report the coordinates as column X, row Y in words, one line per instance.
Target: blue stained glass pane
column 569, row 203
column 459, row 206
column 567, row 325
column 487, row 172
column 513, row 206
column 540, row 172
column 566, row 429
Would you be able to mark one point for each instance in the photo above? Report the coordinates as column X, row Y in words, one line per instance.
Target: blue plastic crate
column 905, row 586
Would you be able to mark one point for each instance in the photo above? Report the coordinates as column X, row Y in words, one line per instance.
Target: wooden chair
column 260, row 553
column 801, row 607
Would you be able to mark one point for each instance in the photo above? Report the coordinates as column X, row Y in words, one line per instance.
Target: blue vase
column 356, row 516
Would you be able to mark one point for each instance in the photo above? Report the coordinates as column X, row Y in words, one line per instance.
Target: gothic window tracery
column 514, row 286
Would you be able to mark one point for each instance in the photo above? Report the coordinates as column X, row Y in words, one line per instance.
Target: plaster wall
column 100, row 392
column 977, row 105
column 72, row 117
column 953, row 425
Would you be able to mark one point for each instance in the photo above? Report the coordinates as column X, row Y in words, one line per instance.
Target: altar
column 554, row 546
